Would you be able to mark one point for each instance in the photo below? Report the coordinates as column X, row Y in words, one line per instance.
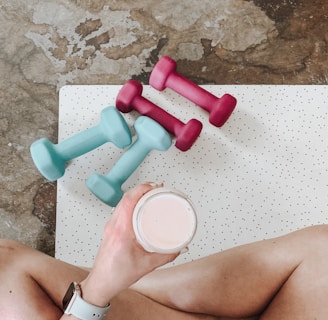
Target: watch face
column 68, row 296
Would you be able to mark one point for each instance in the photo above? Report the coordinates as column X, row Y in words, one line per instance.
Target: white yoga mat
column 263, row 174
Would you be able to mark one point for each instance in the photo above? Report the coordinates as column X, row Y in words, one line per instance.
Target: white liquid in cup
column 164, row 221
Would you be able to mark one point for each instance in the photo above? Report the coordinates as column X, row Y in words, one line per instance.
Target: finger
column 137, row 192
column 131, row 197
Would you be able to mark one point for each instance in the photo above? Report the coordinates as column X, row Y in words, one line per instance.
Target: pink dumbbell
column 130, row 97
column 164, row 75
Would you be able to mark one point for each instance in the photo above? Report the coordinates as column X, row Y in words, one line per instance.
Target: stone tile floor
column 47, row 44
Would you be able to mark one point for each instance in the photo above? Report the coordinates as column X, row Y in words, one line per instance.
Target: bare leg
column 304, row 294
column 33, row 285
column 283, row 278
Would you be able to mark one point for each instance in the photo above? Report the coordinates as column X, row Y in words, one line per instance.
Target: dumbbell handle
column 148, row 108
column 81, row 143
column 188, row 89
column 128, row 162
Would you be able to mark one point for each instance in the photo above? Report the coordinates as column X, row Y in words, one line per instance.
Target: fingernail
column 184, row 250
column 156, row 185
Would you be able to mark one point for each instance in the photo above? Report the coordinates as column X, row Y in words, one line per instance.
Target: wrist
column 95, row 293
column 74, row 305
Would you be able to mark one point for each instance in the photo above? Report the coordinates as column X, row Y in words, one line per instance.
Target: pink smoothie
column 164, row 221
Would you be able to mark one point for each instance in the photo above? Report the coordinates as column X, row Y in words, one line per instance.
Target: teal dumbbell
column 150, row 135
column 51, row 159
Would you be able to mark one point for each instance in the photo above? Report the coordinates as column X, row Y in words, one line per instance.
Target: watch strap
column 84, row 310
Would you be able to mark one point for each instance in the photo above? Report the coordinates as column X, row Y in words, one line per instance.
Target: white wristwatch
column 74, row 304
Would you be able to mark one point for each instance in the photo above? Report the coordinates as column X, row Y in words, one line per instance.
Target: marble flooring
column 47, row 44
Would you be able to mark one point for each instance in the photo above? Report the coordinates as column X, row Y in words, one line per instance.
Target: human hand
column 121, row 261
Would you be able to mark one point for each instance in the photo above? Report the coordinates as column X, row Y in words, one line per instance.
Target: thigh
column 132, row 305
column 304, row 295
column 32, row 283
column 22, row 298
column 240, row 282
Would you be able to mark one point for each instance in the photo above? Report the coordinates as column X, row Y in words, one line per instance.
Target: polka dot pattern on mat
column 263, row 174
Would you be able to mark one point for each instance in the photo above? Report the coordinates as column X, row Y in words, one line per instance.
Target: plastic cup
column 164, row 221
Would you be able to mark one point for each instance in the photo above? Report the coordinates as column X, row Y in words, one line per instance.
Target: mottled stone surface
column 47, row 44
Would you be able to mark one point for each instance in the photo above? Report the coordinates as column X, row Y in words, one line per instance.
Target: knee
column 9, row 251
column 9, row 245
column 317, row 237
column 319, row 232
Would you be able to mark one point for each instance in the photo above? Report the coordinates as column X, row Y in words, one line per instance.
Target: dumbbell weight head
column 51, row 159
column 115, row 127
column 162, row 70
column 50, row 164
column 222, row 110
column 107, row 189
column 152, row 135
column 188, row 134
column 125, row 97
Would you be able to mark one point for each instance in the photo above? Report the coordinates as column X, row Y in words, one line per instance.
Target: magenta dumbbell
column 164, row 75
column 130, row 97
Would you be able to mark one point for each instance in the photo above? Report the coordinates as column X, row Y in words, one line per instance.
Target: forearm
column 120, row 261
